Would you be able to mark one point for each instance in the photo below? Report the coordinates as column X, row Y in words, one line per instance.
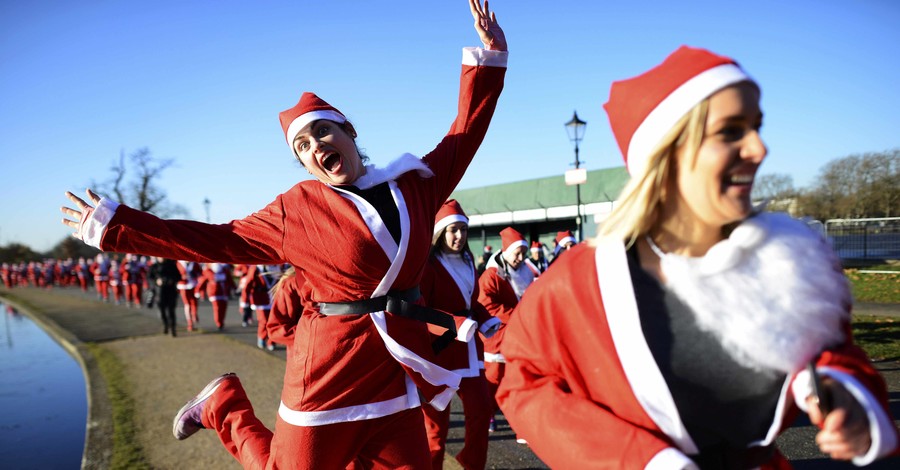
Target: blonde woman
column 681, row 336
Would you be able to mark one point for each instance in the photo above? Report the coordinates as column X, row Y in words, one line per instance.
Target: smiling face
column 712, row 188
column 514, row 258
column 455, row 236
column 329, row 152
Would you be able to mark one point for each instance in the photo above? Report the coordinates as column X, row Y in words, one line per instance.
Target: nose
column 754, row 149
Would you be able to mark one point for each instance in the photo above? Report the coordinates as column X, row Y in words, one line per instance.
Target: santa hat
column 564, row 237
column 535, row 246
column 449, row 213
column 511, row 239
column 310, row 108
column 643, row 109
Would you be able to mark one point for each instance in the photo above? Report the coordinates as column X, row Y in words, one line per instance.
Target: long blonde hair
column 640, row 203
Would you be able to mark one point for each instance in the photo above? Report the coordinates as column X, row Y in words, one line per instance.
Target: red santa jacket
column 190, row 274
column 342, row 247
column 216, row 282
column 442, row 291
column 287, row 306
column 585, row 393
column 498, row 297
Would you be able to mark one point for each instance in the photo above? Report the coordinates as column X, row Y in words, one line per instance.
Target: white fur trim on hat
column 566, row 240
column 655, row 126
column 450, row 219
column 512, row 246
column 304, row 119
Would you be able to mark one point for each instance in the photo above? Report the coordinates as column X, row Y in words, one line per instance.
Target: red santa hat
column 643, row 109
column 310, row 108
column 564, row 237
column 450, row 212
column 535, row 246
column 511, row 239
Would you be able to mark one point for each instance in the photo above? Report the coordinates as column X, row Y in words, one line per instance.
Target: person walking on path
column 190, row 275
column 360, row 236
column 693, row 330
column 449, row 285
column 164, row 274
column 217, row 284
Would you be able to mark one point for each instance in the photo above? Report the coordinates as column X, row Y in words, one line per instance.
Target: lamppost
column 575, row 129
column 206, row 204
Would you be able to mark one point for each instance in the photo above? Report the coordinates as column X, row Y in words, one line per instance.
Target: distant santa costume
column 607, row 367
column 287, row 306
column 190, row 274
column 216, row 282
column 260, row 280
column 100, row 270
column 563, row 241
column 501, row 288
column 449, row 284
column 347, row 250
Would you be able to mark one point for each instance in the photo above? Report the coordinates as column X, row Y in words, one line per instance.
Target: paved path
column 164, row 372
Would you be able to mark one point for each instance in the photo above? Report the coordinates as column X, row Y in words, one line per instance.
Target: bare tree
column 773, row 186
column 134, row 182
column 856, row 186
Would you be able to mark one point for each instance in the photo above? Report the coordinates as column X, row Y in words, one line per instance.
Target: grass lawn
column 878, row 336
column 875, row 287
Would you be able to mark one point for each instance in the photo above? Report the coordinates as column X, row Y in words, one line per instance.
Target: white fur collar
column 519, row 278
column 402, row 164
column 773, row 292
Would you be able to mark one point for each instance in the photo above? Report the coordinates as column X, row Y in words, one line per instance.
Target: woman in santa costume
column 216, row 282
column 682, row 337
column 261, row 279
column 501, row 286
column 360, row 236
column 287, row 306
column 190, row 275
column 449, row 285
column 562, row 243
column 100, row 270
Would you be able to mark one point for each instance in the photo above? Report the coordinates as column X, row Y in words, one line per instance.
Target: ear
column 349, row 129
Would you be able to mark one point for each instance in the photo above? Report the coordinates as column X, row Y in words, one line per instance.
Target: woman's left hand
column 845, row 430
column 486, row 25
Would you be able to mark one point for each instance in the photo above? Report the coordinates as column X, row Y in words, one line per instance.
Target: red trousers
column 102, row 289
column 219, row 307
column 394, row 441
column 262, row 317
column 478, row 408
column 493, row 372
column 135, row 291
column 190, row 307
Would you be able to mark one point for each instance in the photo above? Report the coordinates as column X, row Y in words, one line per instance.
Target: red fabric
column 287, row 306
column 395, row 441
column 565, row 389
column 499, row 298
column 631, row 100
column 309, row 102
column 478, row 407
column 508, row 236
column 321, row 233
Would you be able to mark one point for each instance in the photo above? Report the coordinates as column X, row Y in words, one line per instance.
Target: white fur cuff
column 475, row 56
column 466, row 330
column 490, row 327
column 671, row 458
column 93, row 226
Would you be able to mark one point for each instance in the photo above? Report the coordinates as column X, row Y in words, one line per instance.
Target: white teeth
column 741, row 179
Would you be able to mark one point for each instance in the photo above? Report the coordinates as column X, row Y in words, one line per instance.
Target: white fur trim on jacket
column 402, row 164
column 466, row 331
column 352, row 413
column 94, row 222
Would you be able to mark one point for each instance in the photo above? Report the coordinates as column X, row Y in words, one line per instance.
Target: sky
column 202, row 83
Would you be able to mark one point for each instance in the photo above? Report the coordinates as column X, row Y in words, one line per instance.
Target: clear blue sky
column 202, row 82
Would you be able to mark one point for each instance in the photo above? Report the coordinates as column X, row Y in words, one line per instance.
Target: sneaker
column 260, row 343
column 519, row 440
column 271, row 346
column 492, row 426
column 244, row 324
column 187, row 420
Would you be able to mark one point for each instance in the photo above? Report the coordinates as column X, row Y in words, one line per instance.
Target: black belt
column 724, row 457
column 396, row 302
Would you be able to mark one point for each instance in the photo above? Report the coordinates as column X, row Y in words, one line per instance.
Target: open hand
column 83, row 211
column 845, row 430
column 486, row 25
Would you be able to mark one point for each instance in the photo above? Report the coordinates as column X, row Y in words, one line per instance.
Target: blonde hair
column 640, row 202
column 287, row 274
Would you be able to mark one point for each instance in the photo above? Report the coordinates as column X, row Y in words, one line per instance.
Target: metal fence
column 865, row 238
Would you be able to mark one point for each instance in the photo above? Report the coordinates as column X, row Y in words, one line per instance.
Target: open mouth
column 332, row 162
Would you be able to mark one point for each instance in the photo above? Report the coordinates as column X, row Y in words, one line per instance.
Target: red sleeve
column 479, row 90
column 256, row 239
column 493, row 295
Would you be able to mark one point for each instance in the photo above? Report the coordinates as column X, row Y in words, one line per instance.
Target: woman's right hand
column 78, row 215
column 486, row 25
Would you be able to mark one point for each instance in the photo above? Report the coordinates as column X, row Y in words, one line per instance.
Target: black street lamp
column 206, row 204
column 575, row 129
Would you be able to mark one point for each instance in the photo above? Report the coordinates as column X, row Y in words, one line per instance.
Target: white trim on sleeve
column 466, row 330
column 476, row 56
column 94, row 225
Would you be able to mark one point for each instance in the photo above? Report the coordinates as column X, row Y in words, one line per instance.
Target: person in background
column 563, row 242
column 164, row 274
column 501, row 286
column 133, row 276
column 100, row 271
column 287, row 306
column 449, row 285
column 481, row 265
column 190, row 274
column 260, row 281
column 360, row 236
column 537, row 258
column 684, row 336
column 216, row 282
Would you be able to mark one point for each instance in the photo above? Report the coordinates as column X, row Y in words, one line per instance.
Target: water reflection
column 43, row 402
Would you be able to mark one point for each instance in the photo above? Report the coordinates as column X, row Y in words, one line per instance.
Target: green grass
column 879, row 336
column 871, row 287
column 127, row 452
